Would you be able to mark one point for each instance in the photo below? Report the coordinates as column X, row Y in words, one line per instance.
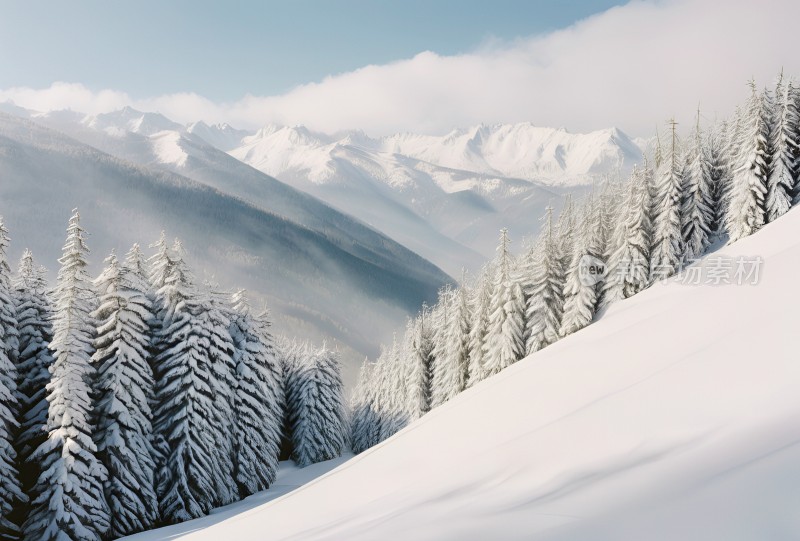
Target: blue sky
column 223, row 50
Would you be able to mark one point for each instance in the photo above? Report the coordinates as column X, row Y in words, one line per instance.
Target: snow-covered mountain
column 675, row 416
column 467, row 184
column 443, row 197
column 325, row 274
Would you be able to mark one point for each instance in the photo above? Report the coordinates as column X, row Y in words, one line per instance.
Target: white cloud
column 632, row 66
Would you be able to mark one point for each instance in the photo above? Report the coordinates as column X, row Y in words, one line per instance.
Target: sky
column 411, row 65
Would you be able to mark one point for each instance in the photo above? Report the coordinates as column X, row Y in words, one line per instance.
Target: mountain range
column 382, row 206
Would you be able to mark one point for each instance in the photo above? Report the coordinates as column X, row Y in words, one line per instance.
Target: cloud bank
column 632, row 66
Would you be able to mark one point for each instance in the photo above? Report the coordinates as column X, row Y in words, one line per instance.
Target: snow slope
column 324, row 274
column 675, row 416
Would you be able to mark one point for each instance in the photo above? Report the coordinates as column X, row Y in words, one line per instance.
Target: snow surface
column 676, row 416
column 289, row 478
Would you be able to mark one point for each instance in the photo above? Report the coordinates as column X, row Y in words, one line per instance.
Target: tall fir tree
column 747, row 207
column 33, row 367
column 720, row 174
column 11, row 495
column 698, row 198
column 68, row 501
column 450, row 368
column 505, row 340
column 479, row 327
column 784, row 149
column 363, row 416
column 258, row 405
column 580, row 287
column 214, row 317
column 125, row 391
column 629, row 266
column 314, row 404
column 184, row 407
column 545, row 299
column 418, row 365
column 667, row 250
column 393, row 392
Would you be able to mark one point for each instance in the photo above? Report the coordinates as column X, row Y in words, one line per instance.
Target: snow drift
column 675, row 416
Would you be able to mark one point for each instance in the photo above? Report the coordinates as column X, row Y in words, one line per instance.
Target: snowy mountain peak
column 131, row 120
column 222, row 136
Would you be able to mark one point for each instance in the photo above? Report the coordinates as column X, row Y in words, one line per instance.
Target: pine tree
column 720, row 174
column 747, row 207
column 450, row 366
column 11, row 496
column 214, row 317
column 629, row 266
column 185, row 481
column 33, row 366
column 125, row 391
column 315, row 407
column 505, row 341
column 545, row 304
column 363, row 418
column 68, row 498
column 697, row 207
column 581, row 289
column 258, row 405
column 784, row 151
column 392, row 401
column 418, row 367
column 479, row 326
column 667, row 250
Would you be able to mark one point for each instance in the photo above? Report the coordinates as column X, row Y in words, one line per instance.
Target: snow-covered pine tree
column 658, row 154
column 720, row 174
column 479, row 326
column 68, row 501
column 784, row 149
column 667, row 250
column 315, row 408
column 580, row 292
column 124, row 387
column 747, row 207
column 440, row 319
column 393, row 396
column 33, row 367
column 185, row 406
column 214, row 316
column 363, row 418
column 258, row 405
column 566, row 230
column 418, row 368
column 697, row 206
column 450, row 366
column 629, row 266
column 505, row 341
column 11, row 495
column 545, row 298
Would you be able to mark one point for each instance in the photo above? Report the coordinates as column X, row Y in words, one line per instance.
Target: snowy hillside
column 325, row 274
column 675, row 416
